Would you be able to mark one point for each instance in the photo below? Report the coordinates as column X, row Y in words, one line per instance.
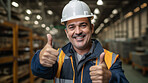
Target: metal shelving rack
column 15, row 49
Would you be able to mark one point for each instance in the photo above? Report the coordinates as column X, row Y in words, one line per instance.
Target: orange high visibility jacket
column 66, row 71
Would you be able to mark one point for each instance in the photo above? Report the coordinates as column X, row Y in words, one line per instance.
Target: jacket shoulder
column 110, row 58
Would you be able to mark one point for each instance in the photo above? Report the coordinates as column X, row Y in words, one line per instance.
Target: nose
column 78, row 30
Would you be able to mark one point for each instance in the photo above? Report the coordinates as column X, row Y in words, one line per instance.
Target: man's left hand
column 100, row 73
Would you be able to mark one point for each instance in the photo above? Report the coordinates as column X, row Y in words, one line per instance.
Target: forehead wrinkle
column 77, row 23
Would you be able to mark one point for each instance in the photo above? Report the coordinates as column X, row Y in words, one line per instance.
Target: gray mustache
column 77, row 35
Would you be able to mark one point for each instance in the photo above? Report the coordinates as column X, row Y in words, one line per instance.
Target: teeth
column 79, row 37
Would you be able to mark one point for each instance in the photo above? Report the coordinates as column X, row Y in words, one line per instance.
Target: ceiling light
column 93, row 21
column 47, row 28
column 136, row 9
column 99, row 2
column 106, row 20
column 27, row 18
column 96, row 11
column 112, row 15
column 38, row 17
column 15, row 4
column 53, row 31
column 28, row 11
column 49, row 12
column 95, row 17
column 43, row 25
column 102, row 24
column 143, row 5
column 36, row 22
column 98, row 30
column 128, row 14
column 40, row 3
column 115, row 11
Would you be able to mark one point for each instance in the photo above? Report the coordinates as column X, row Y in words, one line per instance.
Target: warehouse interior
column 120, row 25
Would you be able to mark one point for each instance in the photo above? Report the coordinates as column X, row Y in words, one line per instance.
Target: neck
column 83, row 51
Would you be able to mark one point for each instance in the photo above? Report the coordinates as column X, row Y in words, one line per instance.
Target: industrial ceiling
column 55, row 7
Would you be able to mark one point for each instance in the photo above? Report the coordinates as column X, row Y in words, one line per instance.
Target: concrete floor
column 134, row 75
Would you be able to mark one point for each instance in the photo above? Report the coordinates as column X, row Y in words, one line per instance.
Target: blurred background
column 120, row 25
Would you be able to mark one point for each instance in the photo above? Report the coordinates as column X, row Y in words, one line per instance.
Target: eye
column 83, row 25
column 71, row 27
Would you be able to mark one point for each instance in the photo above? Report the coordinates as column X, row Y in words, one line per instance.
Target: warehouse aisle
column 134, row 75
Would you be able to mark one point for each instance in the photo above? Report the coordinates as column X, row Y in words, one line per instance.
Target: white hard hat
column 75, row 9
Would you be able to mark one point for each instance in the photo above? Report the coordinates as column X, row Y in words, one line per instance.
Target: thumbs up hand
column 100, row 73
column 48, row 55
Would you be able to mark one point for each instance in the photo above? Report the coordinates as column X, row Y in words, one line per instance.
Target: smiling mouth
column 79, row 38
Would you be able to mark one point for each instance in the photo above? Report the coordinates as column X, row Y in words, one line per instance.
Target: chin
column 80, row 47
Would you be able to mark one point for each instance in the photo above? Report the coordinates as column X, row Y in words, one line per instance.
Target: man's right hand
column 48, row 55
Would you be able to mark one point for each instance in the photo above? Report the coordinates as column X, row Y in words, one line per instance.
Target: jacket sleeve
column 117, row 73
column 40, row 71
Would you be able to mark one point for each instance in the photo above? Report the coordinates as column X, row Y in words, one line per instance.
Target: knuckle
column 91, row 77
column 54, row 62
column 41, row 62
column 51, row 65
column 57, row 53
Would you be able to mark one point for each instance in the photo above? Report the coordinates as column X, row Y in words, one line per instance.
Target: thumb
column 102, row 58
column 49, row 38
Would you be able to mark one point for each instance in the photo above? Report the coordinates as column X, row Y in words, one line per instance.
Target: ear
column 66, row 33
column 92, row 28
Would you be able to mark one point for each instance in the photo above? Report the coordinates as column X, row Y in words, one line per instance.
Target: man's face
column 79, row 32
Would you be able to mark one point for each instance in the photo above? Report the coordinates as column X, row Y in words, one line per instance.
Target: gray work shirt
column 79, row 57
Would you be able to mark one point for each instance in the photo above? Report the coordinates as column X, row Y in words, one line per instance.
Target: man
column 83, row 60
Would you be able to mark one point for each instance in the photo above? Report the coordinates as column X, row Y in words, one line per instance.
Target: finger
column 49, row 38
column 47, row 65
column 97, row 81
column 48, row 60
column 50, row 56
column 95, row 67
column 96, row 77
column 52, row 51
column 98, row 72
column 102, row 58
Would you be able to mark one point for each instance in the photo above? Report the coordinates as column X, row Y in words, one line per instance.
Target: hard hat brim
column 76, row 17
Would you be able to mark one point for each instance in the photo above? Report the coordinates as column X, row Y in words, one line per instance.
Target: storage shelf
column 23, row 73
column 6, row 79
column 38, row 38
column 25, row 81
column 5, row 49
column 6, row 59
column 19, row 50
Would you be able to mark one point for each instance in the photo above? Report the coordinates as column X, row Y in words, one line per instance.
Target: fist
column 100, row 73
column 48, row 55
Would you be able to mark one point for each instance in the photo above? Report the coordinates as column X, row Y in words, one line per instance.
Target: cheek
column 69, row 35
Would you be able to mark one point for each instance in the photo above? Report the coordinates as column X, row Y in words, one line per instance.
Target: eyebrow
column 71, row 25
column 83, row 23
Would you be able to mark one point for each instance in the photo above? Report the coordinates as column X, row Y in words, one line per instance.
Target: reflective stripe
column 59, row 50
column 113, row 57
column 110, row 58
column 60, row 63
column 82, row 74
column 117, row 56
column 97, row 60
column 59, row 80
column 73, row 69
